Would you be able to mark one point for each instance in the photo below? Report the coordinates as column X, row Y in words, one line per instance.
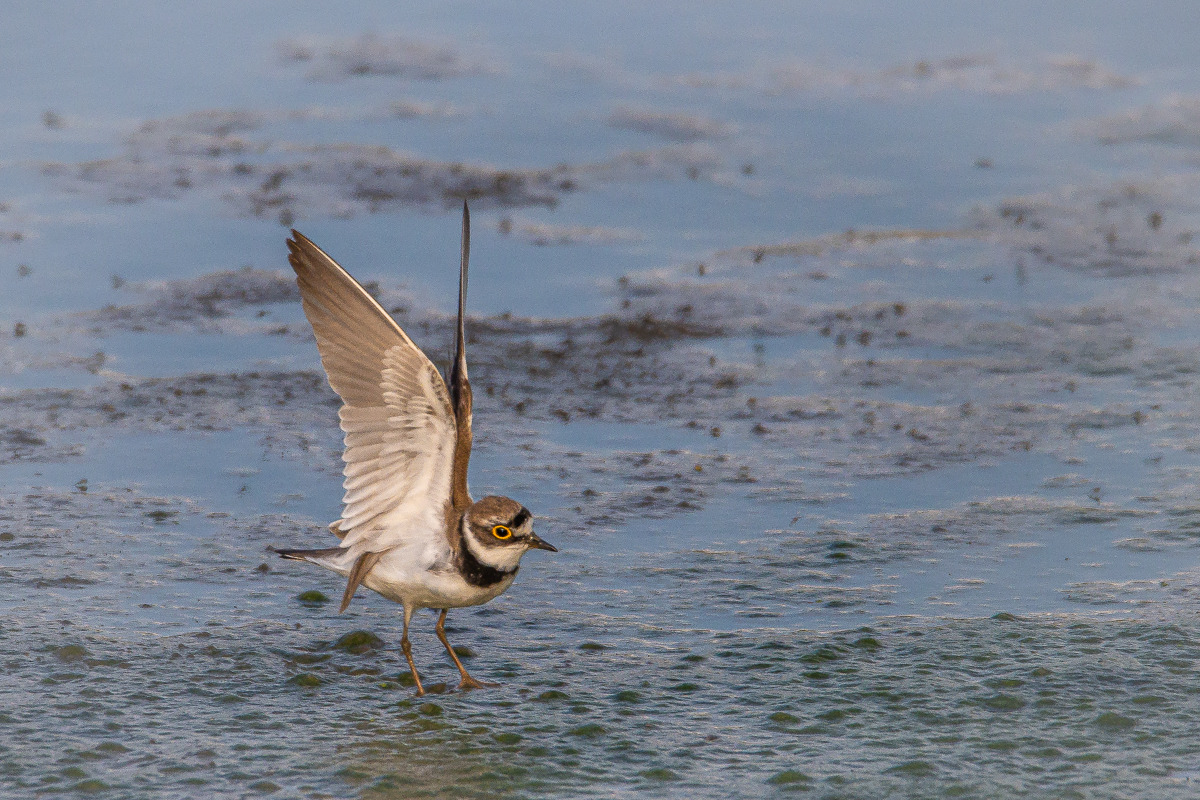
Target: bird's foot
column 470, row 683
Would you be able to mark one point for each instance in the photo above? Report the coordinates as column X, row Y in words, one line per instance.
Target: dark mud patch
column 675, row 126
column 542, row 234
column 1142, row 226
column 285, row 408
column 372, row 54
column 1160, row 598
column 214, row 296
column 227, row 155
column 232, row 301
column 253, row 162
column 980, row 73
column 874, row 388
column 1174, row 121
column 835, row 242
column 22, row 444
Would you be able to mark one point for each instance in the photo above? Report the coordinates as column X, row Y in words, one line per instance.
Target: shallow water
column 847, row 354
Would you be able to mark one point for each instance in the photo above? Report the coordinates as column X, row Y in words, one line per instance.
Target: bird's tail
column 315, row 556
column 336, row 559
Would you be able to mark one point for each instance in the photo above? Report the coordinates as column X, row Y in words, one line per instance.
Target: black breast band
column 478, row 574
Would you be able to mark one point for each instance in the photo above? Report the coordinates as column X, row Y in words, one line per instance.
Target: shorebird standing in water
column 409, row 529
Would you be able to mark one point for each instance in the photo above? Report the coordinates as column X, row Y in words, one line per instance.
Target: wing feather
column 399, row 427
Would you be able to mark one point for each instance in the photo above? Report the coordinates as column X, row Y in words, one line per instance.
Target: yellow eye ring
column 501, row 532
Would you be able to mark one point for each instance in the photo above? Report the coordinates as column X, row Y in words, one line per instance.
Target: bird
column 409, row 529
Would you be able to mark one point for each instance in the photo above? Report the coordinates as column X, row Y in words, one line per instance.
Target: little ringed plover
column 409, row 528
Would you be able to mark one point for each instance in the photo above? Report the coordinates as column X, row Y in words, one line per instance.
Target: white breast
column 424, row 578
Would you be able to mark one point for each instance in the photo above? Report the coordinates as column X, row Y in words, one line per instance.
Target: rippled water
column 847, row 354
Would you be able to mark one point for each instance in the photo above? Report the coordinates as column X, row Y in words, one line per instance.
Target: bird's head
column 498, row 531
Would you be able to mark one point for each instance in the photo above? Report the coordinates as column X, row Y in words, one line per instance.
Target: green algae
column 821, row 656
column 353, row 775
column 427, row 724
column 1114, row 722
column 1003, row 702
column 62, row 677
column 312, row 597
column 90, row 786
column 305, row 680
column 71, row 653
column 359, row 643
column 1045, row 752
column 1002, row 746
column 787, row 777
column 310, row 658
column 589, row 730
column 593, row 646
column 913, row 690
column 915, row 769
column 659, row 774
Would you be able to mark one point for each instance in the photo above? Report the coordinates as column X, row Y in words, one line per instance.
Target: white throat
column 505, row 559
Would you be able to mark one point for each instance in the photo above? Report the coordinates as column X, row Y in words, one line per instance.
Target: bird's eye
column 501, row 532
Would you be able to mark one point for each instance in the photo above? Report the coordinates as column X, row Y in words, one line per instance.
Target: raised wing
column 400, row 427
